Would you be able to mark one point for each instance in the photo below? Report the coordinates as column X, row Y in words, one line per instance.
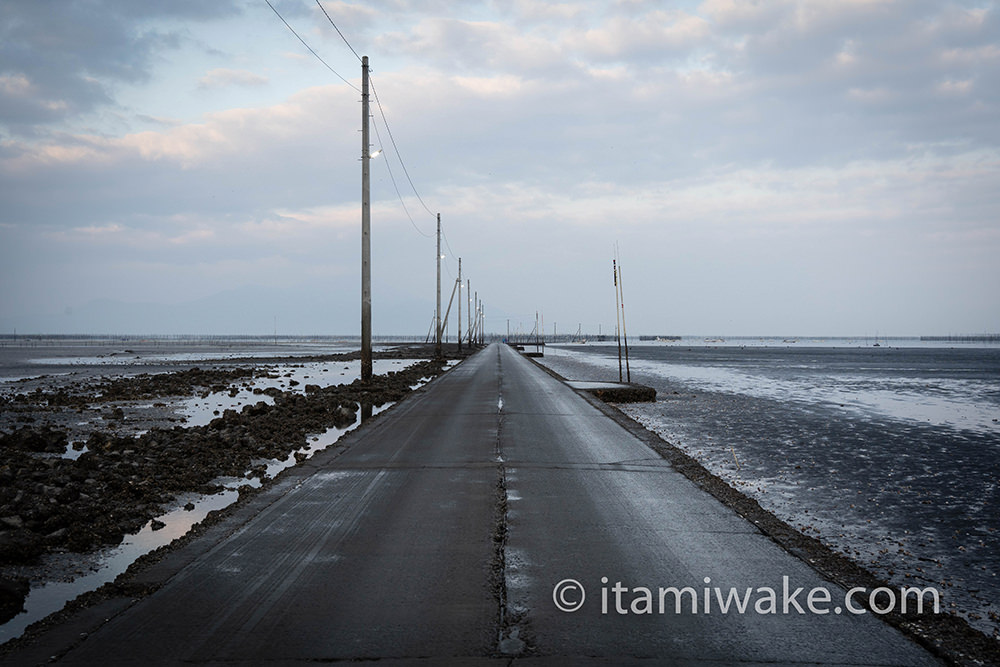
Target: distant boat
column 790, row 340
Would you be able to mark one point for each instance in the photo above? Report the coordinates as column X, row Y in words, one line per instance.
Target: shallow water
column 129, row 358
column 889, row 455
column 199, row 411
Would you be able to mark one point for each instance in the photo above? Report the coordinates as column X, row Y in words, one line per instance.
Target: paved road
column 439, row 531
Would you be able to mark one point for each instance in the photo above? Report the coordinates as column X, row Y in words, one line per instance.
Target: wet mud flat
column 866, row 501
column 93, row 452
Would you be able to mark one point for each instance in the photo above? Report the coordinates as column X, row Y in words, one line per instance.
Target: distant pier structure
column 965, row 338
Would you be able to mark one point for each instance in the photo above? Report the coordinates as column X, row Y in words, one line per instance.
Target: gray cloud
column 61, row 59
column 762, row 164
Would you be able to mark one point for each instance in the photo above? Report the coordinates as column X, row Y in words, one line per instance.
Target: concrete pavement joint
column 509, row 641
column 662, row 468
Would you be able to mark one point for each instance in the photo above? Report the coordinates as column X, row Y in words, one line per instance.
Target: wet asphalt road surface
column 439, row 534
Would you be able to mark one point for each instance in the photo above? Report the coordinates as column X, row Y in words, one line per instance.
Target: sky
column 806, row 168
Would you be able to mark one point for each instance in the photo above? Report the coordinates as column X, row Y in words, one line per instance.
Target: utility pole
column 459, row 304
column 366, row 245
column 618, row 319
column 468, row 295
column 437, row 338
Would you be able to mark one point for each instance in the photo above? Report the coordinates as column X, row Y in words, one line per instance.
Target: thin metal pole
column 366, row 223
column 468, row 295
column 621, row 287
column 437, row 338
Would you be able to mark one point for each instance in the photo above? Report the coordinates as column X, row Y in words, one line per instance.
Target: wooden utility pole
column 459, row 304
column 437, row 338
column 366, row 223
column 618, row 319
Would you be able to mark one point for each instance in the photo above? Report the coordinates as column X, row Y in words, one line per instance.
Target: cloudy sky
column 779, row 167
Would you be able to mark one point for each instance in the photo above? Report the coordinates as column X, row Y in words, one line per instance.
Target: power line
column 338, row 30
column 396, row 187
column 445, row 237
column 385, row 120
column 392, row 139
column 396, row 149
column 310, row 48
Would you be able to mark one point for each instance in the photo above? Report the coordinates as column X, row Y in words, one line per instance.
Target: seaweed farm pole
column 621, row 288
column 366, row 224
column 618, row 337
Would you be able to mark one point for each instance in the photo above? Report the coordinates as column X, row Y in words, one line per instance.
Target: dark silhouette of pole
column 459, row 304
column 614, row 264
column 366, row 223
column 621, row 289
column 437, row 337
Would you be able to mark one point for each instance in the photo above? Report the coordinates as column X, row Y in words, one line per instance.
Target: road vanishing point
column 496, row 516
